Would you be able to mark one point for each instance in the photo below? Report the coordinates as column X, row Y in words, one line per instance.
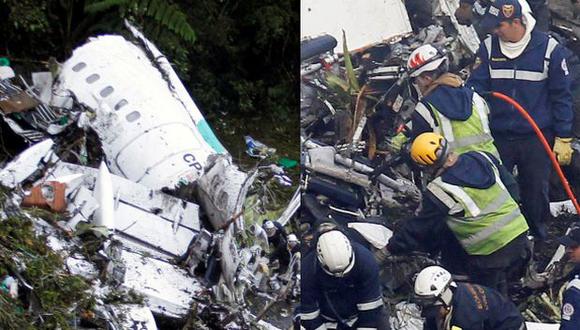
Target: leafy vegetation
column 56, row 295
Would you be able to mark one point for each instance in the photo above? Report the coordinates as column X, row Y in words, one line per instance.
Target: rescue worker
column 276, row 234
column 469, row 207
column 571, row 302
column 529, row 66
column 454, row 306
column 277, row 240
column 447, row 107
column 340, row 286
column 292, row 250
column 293, row 244
column 295, row 249
column 539, row 9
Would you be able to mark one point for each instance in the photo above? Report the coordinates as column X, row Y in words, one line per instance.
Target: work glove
column 398, row 141
column 464, row 14
column 563, row 150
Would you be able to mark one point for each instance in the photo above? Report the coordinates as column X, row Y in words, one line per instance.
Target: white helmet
column 335, row 253
column 432, row 286
column 292, row 238
column 424, row 59
column 270, row 228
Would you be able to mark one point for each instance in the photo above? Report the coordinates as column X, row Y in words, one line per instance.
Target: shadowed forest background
column 238, row 59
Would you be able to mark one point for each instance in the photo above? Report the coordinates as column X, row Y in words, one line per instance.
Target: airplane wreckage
column 122, row 153
column 355, row 96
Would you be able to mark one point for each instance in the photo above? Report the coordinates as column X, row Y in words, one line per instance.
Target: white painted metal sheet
column 365, row 22
column 25, row 164
column 185, row 214
column 133, row 316
column 103, row 193
column 152, row 230
column 168, row 289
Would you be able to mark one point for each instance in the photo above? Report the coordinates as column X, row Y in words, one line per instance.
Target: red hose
column 540, row 135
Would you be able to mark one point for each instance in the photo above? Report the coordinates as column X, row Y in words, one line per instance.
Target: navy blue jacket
column 547, row 98
column 455, row 103
column 471, row 170
column 357, row 294
column 476, row 307
column 571, row 303
column 533, row 3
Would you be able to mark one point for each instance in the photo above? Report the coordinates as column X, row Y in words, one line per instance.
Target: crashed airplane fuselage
column 150, row 129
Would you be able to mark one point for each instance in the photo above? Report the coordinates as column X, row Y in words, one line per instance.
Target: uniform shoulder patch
column 567, row 311
column 477, row 63
column 565, row 67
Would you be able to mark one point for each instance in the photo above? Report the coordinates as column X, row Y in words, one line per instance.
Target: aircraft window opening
column 107, row 91
column 92, row 78
column 121, row 104
column 79, row 66
column 131, row 117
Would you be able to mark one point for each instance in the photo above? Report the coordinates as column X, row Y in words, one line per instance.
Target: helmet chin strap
column 447, row 294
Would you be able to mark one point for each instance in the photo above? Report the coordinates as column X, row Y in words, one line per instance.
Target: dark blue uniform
column 539, row 80
column 476, row 307
column 471, row 170
column 356, row 298
column 571, row 303
column 278, row 243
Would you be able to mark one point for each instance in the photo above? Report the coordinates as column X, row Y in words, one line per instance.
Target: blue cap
column 500, row 11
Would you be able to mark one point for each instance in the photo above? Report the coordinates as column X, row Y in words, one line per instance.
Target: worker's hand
column 398, row 141
column 464, row 14
column 563, row 150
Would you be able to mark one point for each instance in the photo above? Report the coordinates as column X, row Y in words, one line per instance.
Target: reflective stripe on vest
column 491, row 217
column 521, row 74
column 427, row 116
column 453, row 206
column 472, row 134
column 370, row 305
column 460, row 194
column 309, row 316
column 491, row 229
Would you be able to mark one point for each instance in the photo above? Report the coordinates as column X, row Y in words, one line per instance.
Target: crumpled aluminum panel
column 150, row 217
column 168, row 290
column 26, row 163
column 222, row 191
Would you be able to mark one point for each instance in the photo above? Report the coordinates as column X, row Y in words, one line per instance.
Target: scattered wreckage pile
column 127, row 210
column 352, row 104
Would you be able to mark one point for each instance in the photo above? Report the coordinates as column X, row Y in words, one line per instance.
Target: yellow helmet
column 429, row 149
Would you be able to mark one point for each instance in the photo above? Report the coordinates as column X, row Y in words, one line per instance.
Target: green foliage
column 246, row 70
column 350, row 74
column 28, row 16
column 58, row 293
column 161, row 14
